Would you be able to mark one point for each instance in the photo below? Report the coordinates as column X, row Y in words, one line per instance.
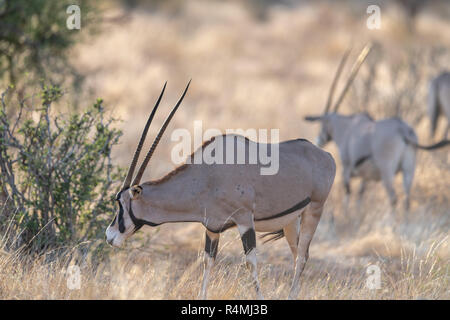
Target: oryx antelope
column 439, row 101
column 221, row 196
column 372, row 150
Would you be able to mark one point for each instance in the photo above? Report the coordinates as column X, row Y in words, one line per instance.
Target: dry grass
column 413, row 262
column 248, row 73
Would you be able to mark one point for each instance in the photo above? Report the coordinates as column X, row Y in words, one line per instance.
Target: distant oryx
column 372, row 150
column 221, row 196
column 439, row 101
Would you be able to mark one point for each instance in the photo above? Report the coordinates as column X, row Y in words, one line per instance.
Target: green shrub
column 56, row 170
column 34, row 39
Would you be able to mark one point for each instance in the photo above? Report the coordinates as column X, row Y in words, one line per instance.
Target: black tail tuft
column 438, row 145
column 273, row 236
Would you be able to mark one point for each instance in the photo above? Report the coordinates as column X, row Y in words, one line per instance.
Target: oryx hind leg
column 211, row 247
column 310, row 220
column 246, row 229
column 408, row 166
column 346, row 180
column 388, row 161
column 388, row 179
column 387, row 172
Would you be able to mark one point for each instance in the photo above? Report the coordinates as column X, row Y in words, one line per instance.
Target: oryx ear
column 135, row 192
column 313, row 118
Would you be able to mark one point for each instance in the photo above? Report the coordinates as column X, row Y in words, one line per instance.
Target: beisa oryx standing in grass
column 221, row 196
column 371, row 150
column 439, row 101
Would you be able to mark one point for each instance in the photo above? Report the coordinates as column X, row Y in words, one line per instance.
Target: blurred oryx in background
column 439, row 101
column 372, row 150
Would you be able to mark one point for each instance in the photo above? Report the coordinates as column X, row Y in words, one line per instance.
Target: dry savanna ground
column 251, row 73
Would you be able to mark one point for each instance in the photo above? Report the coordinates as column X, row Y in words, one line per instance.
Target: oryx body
column 372, row 150
column 221, row 196
column 439, row 101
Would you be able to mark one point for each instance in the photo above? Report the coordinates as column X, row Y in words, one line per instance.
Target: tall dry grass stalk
column 414, row 264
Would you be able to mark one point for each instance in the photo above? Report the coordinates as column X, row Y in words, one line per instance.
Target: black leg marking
column 249, row 240
column 347, row 188
column 211, row 246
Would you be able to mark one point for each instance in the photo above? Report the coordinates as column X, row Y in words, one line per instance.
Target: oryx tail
column 438, row 145
column 410, row 138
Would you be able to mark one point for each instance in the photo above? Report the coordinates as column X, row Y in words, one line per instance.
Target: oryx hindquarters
column 439, row 102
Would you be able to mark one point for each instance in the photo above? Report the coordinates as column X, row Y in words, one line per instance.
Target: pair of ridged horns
column 127, row 182
column 361, row 58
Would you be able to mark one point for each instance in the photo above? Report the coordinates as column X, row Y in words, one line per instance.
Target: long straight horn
column 127, row 181
column 336, row 78
column 144, row 164
column 362, row 57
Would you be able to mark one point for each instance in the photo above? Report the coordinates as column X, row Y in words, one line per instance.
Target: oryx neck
column 170, row 201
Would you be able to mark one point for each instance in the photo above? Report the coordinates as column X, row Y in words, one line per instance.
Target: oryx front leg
column 309, row 222
column 248, row 237
column 211, row 246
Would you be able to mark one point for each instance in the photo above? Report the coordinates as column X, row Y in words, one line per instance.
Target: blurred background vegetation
column 254, row 64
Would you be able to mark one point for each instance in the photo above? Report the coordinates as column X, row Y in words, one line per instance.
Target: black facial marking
column 137, row 222
column 249, row 240
column 121, row 220
column 298, row 206
column 211, row 246
column 120, row 207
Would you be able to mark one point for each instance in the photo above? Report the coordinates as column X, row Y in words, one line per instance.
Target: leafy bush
column 34, row 38
column 56, row 170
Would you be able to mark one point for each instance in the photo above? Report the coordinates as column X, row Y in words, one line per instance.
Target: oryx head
column 326, row 119
column 128, row 219
column 326, row 130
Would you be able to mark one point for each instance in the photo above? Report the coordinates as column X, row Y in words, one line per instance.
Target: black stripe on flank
column 361, row 161
column 249, row 240
column 298, row 206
